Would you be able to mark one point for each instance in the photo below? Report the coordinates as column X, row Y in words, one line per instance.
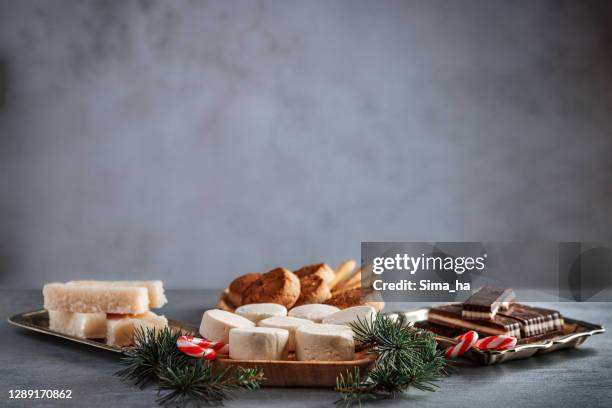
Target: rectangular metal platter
column 575, row 332
column 290, row 373
column 38, row 321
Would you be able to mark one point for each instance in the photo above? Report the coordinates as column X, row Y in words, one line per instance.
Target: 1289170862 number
column 40, row 394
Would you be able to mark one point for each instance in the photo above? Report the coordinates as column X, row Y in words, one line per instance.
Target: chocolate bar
column 484, row 304
column 438, row 329
column 451, row 332
column 534, row 320
column 519, row 320
column 451, row 316
column 540, row 337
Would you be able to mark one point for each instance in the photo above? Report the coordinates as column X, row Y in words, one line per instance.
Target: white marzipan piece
column 258, row 343
column 288, row 323
column 85, row 298
column 83, row 325
column 216, row 324
column 259, row 311
column 324, row 342
column 120, row 329
column 351, row 315
column 155, row 288
column 314, row 312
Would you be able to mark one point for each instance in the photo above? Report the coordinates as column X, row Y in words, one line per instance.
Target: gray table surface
column 567, row 378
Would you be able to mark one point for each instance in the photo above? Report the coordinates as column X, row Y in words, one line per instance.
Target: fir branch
column 405, row 357
column 182, row 380
column 153, row 347
column 352, row 388
column 198, row 384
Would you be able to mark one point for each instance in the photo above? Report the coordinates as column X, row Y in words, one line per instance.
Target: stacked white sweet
column 110, row 310
column 266, row 331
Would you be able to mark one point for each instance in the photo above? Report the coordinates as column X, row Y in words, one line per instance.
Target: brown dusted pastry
column 323, row 270
column 353, row 297
column 343, row 271
column 313, row 289
column 354, row 282
column 346, row 298
column 277, row 286
column 224, row 302
column 239, row 285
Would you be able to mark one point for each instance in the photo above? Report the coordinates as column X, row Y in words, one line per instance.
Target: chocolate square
column 484, row 304
column 451, row 316
column 533, row 320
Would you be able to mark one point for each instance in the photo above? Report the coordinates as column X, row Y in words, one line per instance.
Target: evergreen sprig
column 198, row 384
column 181, row 380
column 405, row 357
column 154, row 348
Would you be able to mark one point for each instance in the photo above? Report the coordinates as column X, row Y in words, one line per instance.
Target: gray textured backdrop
column 195, row 141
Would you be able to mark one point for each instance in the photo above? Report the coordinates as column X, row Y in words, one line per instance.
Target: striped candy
column 466, row 341
column 200, row 348
column 496, row 343
column 215, row 345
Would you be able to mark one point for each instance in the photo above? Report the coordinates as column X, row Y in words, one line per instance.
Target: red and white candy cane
column 215, row 345
column 500, row 342
column 200, row 348
column 466, row 341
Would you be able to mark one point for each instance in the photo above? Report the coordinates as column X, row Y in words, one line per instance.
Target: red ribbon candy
column 466, row 341
column 200, row 348
column 500, row 342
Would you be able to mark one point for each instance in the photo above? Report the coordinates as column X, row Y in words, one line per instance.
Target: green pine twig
column 352, row 388
column 198, row 384
column 181, row 380
column 405, row 357
column 152, row 347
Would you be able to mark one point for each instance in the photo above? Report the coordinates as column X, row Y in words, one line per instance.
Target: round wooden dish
column 292, row 373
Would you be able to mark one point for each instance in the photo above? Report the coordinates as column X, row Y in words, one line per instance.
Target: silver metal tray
column 575, row 332
column 38, row 321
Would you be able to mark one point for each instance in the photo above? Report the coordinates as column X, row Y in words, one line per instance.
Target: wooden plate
column 277, row 373
column 293, row 373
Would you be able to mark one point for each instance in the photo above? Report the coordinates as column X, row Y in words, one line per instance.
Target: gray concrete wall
column 195, row 141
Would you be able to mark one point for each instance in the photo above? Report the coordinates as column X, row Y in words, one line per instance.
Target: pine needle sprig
column 352, row 387
column 405, row 357
column 153, row 347
column 198, row 384
column 181, row 380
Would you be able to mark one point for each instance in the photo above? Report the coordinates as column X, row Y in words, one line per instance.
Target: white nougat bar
column 120, row 329
column 157, row 298
column 84, row 325
column 95, row 298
